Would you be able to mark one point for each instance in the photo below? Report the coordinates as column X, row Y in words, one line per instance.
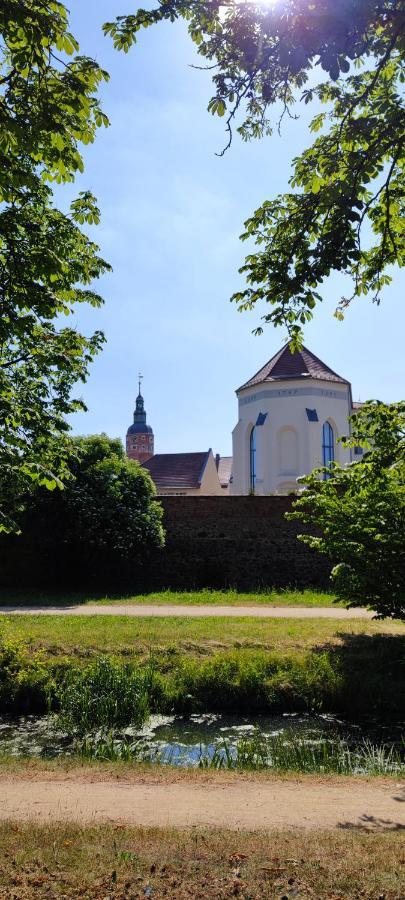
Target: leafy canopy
column 107, row 515
column 345, row 207
column 360, row 511
column 48, row 108
column 110, row 503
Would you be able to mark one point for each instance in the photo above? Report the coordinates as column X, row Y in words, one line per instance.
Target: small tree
column 103, row 524
column 360, row 511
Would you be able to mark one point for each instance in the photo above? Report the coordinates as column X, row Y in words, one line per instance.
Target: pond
column 185, row 741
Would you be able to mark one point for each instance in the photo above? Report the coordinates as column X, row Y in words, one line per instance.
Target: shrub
column 99, row 529
column 360, row 512
column 25, row 682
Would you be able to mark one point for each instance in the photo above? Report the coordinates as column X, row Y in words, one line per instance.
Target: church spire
column 140, row 440
column 139, row 414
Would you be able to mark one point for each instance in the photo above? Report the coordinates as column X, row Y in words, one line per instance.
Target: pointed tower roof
column 139, row 426
column 287, row 365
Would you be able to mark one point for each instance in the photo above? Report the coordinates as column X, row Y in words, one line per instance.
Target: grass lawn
column 186, row 598
column 240, row 665
column 67, row 861
column 121, row 635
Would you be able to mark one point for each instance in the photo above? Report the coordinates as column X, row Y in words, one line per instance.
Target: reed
column 286, row 752
column 104, row 694
column 289, row 752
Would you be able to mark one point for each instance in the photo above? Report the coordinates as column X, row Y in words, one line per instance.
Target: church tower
column 140, row 440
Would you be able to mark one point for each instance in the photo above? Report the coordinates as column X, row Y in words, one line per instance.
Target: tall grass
column 104, row 694
column 245, row 681
column 106, row 746
column 286, row 752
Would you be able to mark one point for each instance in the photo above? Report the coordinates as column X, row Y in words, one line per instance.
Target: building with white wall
column 290, row 416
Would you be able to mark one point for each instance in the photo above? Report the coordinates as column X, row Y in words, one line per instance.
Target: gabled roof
column 224, row 470
column 177, row 470
column 301, row 364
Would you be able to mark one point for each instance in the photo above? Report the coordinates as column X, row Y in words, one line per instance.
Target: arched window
column 328, row 445
column 252, row 456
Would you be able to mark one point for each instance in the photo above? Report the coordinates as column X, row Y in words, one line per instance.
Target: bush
column 25, row 681
column 98, row 530
column 360, row 511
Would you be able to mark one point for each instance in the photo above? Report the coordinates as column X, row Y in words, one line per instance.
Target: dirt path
column 259, row 612
column 235, row 804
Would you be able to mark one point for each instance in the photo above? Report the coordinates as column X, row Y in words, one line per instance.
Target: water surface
column 182, row 740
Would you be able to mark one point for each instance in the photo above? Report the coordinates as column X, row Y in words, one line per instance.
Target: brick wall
column 242, row 542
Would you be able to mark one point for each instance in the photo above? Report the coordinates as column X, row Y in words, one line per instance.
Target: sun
column 251, row 3
column 262, row 3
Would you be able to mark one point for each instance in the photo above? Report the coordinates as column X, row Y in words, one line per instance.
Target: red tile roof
column 301, row 364
column 177, row 470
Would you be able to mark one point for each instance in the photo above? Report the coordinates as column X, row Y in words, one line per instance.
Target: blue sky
column 172, row 212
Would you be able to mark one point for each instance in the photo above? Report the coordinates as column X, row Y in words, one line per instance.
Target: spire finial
column 140, row 379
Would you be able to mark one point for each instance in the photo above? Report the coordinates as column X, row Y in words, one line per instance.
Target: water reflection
column 182, row 740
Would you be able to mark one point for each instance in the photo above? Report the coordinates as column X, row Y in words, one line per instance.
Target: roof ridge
column 185, row 453
column 325, row 365
column 204, row 465
column 298, row 364
column 273, row 359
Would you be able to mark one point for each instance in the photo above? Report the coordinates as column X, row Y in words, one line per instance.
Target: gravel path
column 374, row 805
column 259, row 612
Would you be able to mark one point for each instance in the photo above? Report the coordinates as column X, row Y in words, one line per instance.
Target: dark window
column 358, row 451
column 312, row 415
column 328, row 447
column 253, row 460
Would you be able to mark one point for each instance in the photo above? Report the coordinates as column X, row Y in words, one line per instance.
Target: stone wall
column 241, row 542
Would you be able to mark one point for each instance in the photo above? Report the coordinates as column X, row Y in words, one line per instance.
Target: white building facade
column 290, row 416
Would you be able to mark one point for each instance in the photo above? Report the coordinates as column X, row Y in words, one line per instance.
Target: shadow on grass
column 369, row 824
column 20, row 598
column 371, row 674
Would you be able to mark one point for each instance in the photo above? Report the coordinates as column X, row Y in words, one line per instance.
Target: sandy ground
column 259, row 612
column 374, row 805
